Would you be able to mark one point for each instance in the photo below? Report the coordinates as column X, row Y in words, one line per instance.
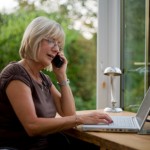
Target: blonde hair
column 39, row 28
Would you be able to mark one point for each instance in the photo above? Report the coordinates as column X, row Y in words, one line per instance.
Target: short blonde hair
column 39, row 28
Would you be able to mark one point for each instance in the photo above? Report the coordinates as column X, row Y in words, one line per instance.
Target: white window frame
column 108, row 50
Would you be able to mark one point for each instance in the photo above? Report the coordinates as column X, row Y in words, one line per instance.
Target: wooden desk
column 112, row 141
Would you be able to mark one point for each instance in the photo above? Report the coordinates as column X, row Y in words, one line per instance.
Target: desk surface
column 113, row 141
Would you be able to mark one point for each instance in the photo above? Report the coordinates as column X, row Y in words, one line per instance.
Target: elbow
column 72, row 113
column 69, row 112
column 33, row 130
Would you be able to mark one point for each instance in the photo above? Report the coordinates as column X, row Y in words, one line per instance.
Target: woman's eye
column 51, row 41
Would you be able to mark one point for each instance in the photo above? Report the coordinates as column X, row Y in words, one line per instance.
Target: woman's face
column 47, row 51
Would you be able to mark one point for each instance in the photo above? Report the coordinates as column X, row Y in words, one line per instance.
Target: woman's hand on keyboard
column 94, row 118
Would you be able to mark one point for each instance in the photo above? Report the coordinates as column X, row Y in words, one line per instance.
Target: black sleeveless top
column 10, row 126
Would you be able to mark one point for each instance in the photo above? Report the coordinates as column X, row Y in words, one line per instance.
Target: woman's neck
column 32, row 69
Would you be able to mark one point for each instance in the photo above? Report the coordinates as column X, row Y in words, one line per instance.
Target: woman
column 29, row 100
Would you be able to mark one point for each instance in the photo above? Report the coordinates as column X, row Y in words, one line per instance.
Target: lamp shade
column 112, row 71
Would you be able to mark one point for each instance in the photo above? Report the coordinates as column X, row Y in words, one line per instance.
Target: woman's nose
column 56, row 48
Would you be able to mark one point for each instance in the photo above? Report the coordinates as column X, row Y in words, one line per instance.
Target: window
column 134, row 54
column 123, row 42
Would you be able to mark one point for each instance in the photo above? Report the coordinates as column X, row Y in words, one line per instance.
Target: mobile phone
column 57, row 61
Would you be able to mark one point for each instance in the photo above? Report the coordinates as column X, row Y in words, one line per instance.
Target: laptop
column 124, row 123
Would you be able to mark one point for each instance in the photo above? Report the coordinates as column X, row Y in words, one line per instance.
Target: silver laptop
column 124, row 123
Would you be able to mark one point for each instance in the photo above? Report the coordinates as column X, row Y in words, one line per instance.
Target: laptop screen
column 144, row 109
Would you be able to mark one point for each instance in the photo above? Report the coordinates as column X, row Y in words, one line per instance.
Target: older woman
column 29, row 100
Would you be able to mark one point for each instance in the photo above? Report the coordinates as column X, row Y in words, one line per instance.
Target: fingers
column 96, row 117
column 61, row 54
column 105, row 118
column 105, row 121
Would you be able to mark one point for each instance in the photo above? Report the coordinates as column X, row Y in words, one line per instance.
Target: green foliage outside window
column 80, row 52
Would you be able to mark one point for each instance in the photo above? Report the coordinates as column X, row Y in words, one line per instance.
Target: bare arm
column 20, row 97
column 21, row 100
column 64, row 99
column 64, row 102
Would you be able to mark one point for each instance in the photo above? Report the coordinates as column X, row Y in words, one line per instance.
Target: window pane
column 133, row 55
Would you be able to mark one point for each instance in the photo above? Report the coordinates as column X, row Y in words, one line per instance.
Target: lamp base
column 108, row 109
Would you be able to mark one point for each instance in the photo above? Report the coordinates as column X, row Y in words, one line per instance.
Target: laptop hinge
column 146, row 127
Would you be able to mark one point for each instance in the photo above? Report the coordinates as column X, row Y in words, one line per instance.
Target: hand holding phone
column 57, row 61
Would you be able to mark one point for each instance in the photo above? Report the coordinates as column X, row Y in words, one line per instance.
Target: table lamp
column 112, row 72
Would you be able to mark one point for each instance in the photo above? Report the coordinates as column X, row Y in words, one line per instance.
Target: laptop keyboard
column 122, row 121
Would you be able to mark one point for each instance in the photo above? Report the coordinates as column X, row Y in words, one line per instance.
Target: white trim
column 108, row 49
